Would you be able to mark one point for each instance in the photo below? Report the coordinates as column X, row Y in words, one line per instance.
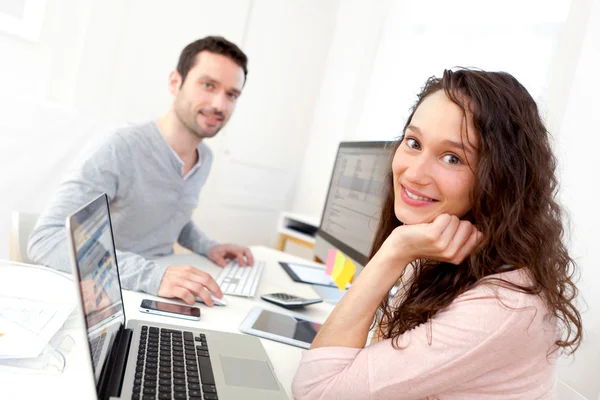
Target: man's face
column 207, row 97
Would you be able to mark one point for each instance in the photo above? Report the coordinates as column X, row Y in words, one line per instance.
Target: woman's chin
column 410, row 219
column 413, row 218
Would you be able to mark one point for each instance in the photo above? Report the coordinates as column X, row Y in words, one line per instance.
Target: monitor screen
column 355, row 198
column 92, row 239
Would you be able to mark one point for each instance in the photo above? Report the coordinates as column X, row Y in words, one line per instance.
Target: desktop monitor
column 354, row 200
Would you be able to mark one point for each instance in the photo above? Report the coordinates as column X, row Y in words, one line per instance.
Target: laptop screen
column 93, row 243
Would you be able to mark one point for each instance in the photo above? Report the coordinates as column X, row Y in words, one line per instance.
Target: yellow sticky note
column 345, row 274
column 338, row 264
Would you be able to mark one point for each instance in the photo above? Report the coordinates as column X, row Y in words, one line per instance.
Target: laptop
column 133, row 359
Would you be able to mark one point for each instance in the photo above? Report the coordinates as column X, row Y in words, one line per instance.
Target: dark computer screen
column 355, row 197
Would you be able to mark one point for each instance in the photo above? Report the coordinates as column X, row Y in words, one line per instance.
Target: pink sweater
column 480, row 349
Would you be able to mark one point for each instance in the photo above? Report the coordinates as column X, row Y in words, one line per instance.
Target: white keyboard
column 240, row 281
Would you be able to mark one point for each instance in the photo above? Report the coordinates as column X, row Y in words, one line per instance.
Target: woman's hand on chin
column 446, row 239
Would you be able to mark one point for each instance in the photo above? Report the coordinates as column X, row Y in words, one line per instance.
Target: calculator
column 289, row 301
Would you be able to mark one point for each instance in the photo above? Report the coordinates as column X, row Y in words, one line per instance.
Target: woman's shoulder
column 505, row 287
column 501, row 298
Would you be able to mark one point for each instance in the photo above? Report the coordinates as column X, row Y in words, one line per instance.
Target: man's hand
column 186, row 282
column 221, row 253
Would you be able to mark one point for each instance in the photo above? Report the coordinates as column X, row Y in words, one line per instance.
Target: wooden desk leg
column 281, row 243
column 283, row 238
column 13, row 250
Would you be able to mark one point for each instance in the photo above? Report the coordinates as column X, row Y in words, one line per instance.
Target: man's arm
column 48, row 246
column 100, row 173
column 194, row 239
column 96, row 175
column 105, row 172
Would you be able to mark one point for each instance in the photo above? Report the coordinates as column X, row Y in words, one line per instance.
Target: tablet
column 308, row 274
column 280, row 327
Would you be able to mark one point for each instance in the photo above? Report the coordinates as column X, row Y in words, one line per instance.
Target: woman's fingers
column 451, row 239
column 468, row 246
column 447, row 236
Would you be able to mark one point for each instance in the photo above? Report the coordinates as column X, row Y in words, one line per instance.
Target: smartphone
column 170, row 309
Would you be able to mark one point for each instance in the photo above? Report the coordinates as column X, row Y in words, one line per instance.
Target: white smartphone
column 170, row 309
column 280, row 327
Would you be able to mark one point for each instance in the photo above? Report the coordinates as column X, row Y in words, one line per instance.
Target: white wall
column 566, row 58
column 260, row 153
column 577, row 147
column 348, row 69
column 40, row 136
column 101, row 63
column 416, row 45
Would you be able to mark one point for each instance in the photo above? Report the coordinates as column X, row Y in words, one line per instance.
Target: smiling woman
column 471, row 227
column 432, row 168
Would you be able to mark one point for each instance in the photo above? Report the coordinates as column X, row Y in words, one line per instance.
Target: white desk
column 285, row 358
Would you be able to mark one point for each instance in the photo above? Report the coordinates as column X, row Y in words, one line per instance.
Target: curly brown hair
column 514, row 206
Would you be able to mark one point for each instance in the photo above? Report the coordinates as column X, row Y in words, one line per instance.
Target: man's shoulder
column 205, row 151
column 120, row 142
column 205, row 148
column 139, row 132
column 130, row 138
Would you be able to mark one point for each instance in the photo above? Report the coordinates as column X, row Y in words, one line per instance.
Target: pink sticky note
column 340, row 259
column 330, row 261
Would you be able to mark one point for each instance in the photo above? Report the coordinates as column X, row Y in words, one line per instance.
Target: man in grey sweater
column 152, row 174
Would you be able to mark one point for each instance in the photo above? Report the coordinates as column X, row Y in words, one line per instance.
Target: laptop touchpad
column 248, row 373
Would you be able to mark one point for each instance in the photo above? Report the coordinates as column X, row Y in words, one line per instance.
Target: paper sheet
column 26, row 326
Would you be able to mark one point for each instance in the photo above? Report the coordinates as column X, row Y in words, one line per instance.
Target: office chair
column 21, row 226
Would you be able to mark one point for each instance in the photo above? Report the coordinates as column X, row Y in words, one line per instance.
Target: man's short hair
column 213, row 44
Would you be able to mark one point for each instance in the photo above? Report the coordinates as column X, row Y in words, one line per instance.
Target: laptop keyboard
column 96, row 346
column 173, row 364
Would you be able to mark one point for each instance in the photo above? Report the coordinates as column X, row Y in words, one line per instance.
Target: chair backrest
column 21, row 227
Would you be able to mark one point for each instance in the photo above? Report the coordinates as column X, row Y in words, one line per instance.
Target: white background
column 321, row 71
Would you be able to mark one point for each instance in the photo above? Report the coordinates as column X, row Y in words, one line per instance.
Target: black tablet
column 308, row 274
column 283, row 328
